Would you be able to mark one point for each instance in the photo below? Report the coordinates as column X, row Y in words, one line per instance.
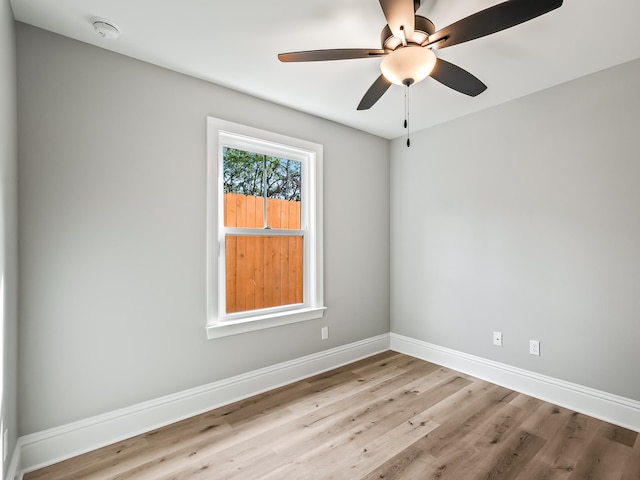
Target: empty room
column 349, row 239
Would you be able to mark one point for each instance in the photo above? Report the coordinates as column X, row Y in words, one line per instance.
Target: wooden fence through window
column 262, row 271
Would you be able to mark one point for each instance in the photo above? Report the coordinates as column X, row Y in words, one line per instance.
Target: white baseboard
column 595, row 403
column 15, row 466
column 44, row 448
column 50, row 446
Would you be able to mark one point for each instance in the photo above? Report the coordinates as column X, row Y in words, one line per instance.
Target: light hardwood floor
column 389, row 416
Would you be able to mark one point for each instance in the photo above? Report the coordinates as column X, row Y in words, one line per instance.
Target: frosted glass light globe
column 411, row 63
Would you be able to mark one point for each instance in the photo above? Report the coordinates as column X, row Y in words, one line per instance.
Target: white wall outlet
column 497, row 338
column 324, row 333
column 534, row 347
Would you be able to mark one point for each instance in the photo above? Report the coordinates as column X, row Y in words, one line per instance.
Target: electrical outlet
column 497, row 338
column 324, row 333
column 534, row 347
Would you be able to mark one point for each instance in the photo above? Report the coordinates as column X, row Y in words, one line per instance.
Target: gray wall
column 525, row 218
column 112, row 224
column 8, row 223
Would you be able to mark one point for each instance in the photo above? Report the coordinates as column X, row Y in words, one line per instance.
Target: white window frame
column 221, row 133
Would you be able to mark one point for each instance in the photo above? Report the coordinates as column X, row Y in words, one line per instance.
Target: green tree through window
column 247, row 173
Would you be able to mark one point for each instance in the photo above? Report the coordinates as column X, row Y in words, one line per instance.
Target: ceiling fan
column 409, row 40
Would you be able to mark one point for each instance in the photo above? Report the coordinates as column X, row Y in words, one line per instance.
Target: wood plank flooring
column 390, row 416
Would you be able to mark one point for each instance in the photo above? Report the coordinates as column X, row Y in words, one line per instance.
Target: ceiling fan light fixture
column 411, row 63
column 407, row 41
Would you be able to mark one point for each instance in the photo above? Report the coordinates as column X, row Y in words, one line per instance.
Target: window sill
column 225, row 329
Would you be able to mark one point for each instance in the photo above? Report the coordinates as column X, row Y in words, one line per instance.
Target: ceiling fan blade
column 400, row 15
column 334, row 54
column 457, row 78
column 374, row 93
column 491, row 20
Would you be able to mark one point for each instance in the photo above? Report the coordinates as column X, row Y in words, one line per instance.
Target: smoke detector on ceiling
column 105, row 28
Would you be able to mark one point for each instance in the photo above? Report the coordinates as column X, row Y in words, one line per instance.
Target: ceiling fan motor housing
column 423, row 28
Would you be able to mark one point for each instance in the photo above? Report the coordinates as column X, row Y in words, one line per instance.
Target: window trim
column 221, row 132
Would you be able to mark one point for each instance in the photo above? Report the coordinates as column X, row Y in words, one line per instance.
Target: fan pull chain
column 406, row 112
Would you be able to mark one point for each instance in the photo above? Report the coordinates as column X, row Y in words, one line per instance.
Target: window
column 264, row 232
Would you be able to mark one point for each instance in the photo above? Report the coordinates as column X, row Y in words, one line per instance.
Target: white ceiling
column 234, row 43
